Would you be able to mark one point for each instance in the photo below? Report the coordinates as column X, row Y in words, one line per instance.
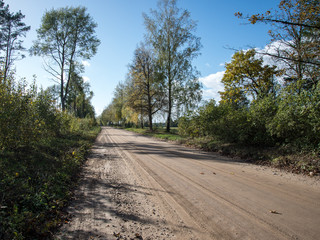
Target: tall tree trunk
column 141, row 116
column 62, row 93
column 7, row 61
column 150, row 122
column 62, row 96
column 169, row 108
column 149, row 100
column 149, row 110
column 62, row 81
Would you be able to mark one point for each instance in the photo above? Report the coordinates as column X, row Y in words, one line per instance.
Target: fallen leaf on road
column 117, row 235
column 214, row 173
column 274, row 212
column 138, row 236
column 202, row 173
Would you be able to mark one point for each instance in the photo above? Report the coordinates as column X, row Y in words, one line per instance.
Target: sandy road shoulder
column 114, row 200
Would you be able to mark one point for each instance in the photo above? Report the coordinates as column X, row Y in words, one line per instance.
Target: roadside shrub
column 297, row 120
column 41, row 151
column 223, row 122
column 188, row 126
column 261, row 113
column 18, row 119
column 233, row 126
column 26, row 116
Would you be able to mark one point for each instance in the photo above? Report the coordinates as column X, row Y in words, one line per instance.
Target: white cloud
column 212, row 80
column 85, row 78
column 272, row 49
column 98, row 111
column 86, row 63
column 211, row 94
column 212, row 85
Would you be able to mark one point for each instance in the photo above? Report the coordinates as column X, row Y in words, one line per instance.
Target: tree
column 246, row 75
column 79, row 98
column 65, row 35
column 118, row 103
column 11, row 29
column 146, row 91
column 295, row 37
column 170, row 31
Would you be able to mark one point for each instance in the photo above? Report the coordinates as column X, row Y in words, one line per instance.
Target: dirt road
column 135, row 187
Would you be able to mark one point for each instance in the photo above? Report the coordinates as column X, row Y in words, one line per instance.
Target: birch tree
column 171, row 33
column 65, row 36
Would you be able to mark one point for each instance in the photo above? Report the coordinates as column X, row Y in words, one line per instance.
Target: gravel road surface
column 136, row 187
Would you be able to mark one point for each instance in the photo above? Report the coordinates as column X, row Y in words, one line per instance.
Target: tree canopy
column 11, row 30
column 170, row 31
column 65, row 36
column 146, row 94
column 295, row 34
column 246, row 75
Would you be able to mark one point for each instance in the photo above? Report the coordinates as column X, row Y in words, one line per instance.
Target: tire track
column 215, row 231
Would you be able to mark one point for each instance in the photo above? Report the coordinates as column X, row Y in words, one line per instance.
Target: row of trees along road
column 41, row 147
column 161, row 76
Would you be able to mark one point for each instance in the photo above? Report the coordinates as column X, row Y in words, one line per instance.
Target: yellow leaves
column 238, row 14
column 17, row 174
column 253, row 19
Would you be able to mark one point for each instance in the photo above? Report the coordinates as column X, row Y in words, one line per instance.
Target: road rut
column 136, row 187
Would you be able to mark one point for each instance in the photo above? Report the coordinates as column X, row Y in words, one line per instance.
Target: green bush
column 261, row 113
column 19, row 122
column 290, row 119
column 297, row 120
column 41, row 152
column 223, row 122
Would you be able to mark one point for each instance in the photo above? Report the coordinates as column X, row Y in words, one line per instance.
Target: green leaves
column 11, row 30
column 41, row 150
column 65, row 36
column 170, row 31
column 246, row 76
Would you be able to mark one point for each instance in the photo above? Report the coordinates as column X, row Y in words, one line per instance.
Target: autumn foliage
column 274, row 104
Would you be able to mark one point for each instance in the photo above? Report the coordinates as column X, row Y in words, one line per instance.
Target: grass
column 36, row 183
column 160, row 133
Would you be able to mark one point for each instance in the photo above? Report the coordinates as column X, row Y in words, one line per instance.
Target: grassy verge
column 286, row 158
column 160, row 133
column 282, row 157
column 36, row 182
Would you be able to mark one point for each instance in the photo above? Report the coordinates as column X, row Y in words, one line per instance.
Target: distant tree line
column 161, row 78
column 263, row 103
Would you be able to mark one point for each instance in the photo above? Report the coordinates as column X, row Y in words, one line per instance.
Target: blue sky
column 120, row 29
